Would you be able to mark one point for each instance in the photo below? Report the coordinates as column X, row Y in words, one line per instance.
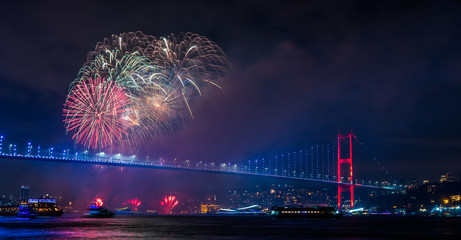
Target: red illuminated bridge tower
column 345, row 173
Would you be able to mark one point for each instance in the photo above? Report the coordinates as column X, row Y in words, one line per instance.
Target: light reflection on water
column 230, row 227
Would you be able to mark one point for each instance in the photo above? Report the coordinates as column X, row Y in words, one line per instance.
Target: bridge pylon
column 345, row 169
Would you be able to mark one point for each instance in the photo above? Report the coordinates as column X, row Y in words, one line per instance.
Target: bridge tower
column 345, row 173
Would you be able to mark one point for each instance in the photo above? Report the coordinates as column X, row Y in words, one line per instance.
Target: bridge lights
column 1, row 145
column 50, row 151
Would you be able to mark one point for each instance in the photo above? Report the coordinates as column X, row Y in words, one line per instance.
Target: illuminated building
column 208, row 208
column 25, row 193
column 449, row 177
column 455, row 198
column 443, row 178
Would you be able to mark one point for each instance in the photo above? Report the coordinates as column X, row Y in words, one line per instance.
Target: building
column 208, row 208
column 455, row 198
column 449, row 177
column 25, row 193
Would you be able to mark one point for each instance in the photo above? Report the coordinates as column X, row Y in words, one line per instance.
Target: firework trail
column 159, row 77
column 94, row 111
column 130, row 42
column 168, row 203
column 195, row 59
column 134, row 203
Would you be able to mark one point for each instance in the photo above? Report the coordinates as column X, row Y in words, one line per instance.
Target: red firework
column 99, row 202
column 168, row 203
column 94, row 111
column 134, row 203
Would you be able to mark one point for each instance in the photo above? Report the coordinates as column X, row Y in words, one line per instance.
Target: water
column 230, row 227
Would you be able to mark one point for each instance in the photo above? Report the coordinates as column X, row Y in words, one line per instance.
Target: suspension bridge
column 330, row 163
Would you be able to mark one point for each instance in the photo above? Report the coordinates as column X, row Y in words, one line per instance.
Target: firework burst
column 147, row 88
column 195, row 61
column 168, row 203
column 94, row 112
column 134, row 203
column 98, row 202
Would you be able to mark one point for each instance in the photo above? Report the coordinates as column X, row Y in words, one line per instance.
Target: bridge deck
column 134, row 164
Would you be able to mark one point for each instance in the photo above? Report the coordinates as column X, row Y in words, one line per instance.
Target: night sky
column 302, row 71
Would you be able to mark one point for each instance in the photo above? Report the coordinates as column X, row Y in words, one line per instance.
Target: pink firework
column 134, row 203
column 94, row 111
column 168, row 203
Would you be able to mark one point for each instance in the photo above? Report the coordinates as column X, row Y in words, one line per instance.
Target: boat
column 249, row 210
column 45, row 207
column 35, row 208
column 99, row 212
column 305, row 212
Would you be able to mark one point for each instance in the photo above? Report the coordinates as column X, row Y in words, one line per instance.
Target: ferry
column 44, row 207
column 305, row 212
column 99, row 212
column 37, row 208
